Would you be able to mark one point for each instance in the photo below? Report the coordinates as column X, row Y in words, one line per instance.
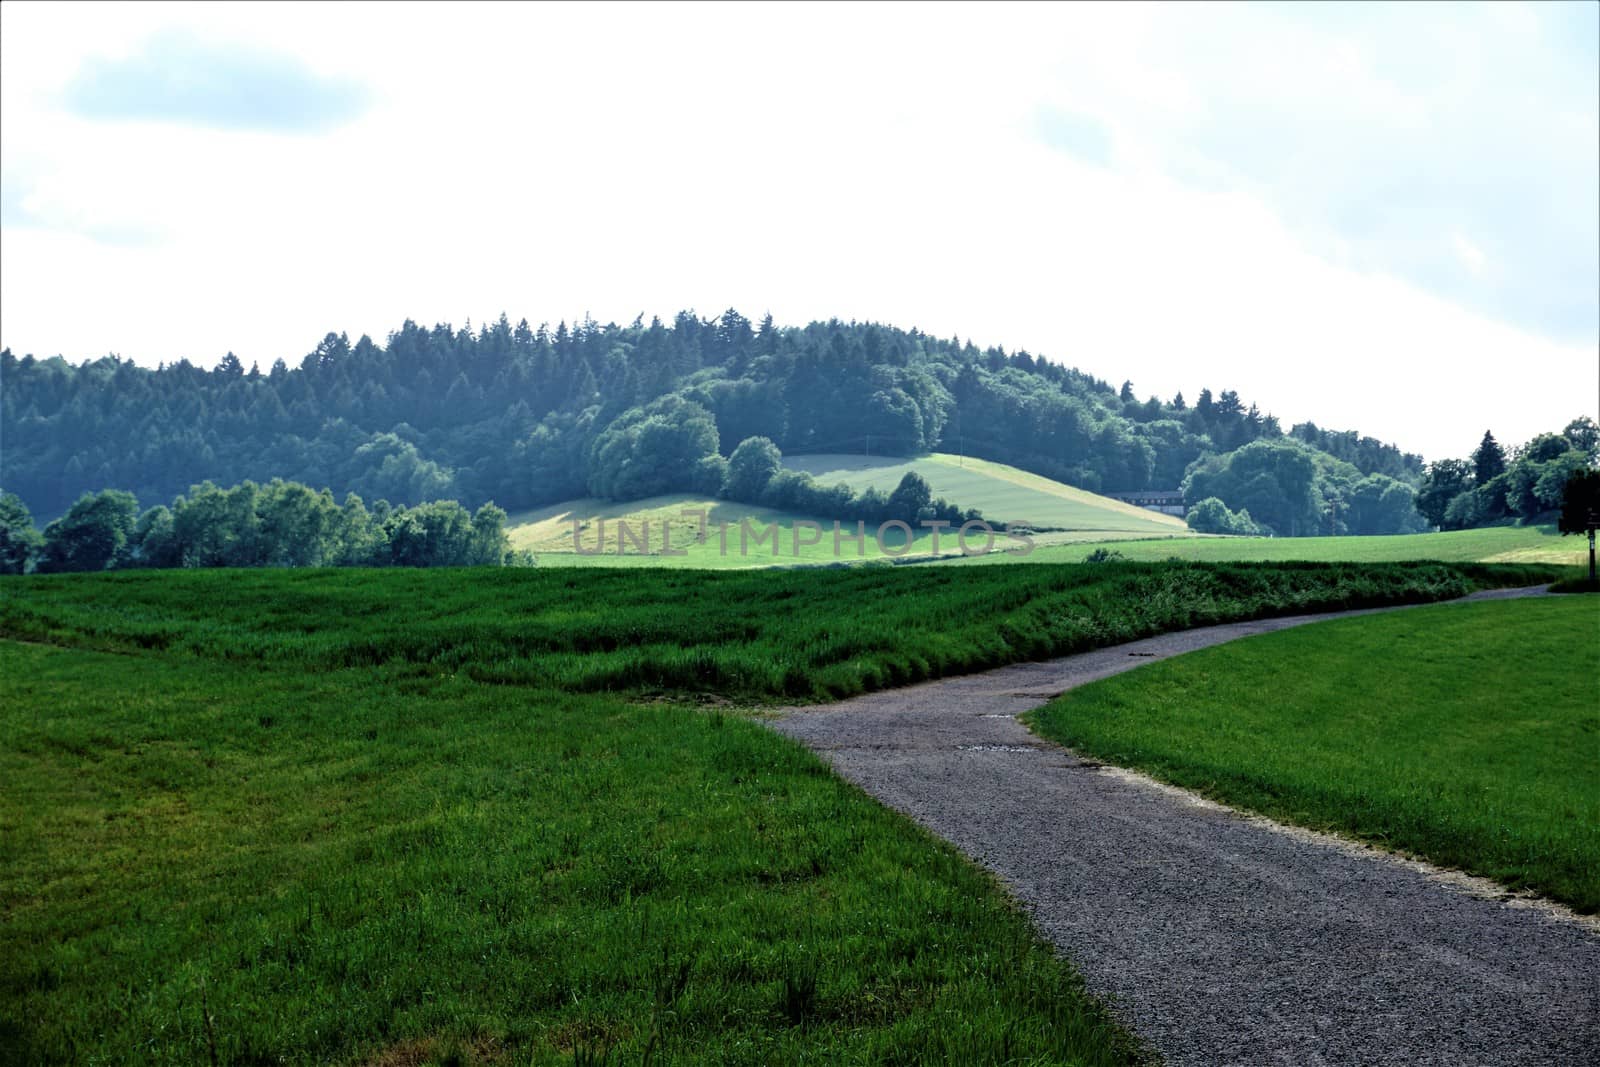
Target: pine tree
column 1489, row 461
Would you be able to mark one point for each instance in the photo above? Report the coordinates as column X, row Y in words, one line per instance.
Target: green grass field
column 1495, row 544
column 214, row 862
column 1464, row 733
column 444, row 816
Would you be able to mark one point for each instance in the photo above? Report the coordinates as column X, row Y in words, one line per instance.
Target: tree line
column 1492, row 485
column 1286, row 487
column 529, row 415
column 280, row 524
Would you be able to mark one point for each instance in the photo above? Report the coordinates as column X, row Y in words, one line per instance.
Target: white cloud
column 1471, row 255
column 875, row 163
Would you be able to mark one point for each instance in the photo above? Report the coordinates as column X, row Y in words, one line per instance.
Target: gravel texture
column 1219, row 938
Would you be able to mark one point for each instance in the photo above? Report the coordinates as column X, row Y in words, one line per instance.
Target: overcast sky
column 1376, row 217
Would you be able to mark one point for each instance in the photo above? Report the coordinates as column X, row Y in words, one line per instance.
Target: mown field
column 509, row 816
column 1464, row 733
column 1495, row 544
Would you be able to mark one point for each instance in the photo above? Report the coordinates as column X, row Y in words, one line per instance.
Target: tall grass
column 750, row 636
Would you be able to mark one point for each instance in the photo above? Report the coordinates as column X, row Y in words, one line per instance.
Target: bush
column 1212, row 516
column 751, row 467
column 1576, row 585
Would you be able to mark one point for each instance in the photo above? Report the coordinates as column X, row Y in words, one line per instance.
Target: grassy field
column 211, row 862
column 1465, row 733
column 1495, row 544
column 395, row 817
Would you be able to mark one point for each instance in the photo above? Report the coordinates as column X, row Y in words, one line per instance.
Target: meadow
column 1463, row 733
column 497, row 816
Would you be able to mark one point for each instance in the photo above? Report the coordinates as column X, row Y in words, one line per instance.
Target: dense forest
column 525, row 416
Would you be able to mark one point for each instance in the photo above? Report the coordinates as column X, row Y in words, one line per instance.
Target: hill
column 530, row 416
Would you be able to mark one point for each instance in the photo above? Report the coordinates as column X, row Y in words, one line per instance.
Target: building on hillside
column 1166, row 501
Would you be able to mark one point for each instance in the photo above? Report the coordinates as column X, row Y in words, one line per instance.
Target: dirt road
column 1221, row 939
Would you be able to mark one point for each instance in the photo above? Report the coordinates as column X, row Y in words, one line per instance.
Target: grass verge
column 1466, row 734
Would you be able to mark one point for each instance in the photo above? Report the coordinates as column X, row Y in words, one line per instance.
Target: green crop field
column 1465, row 733
column 1494, row 544
column 508, row 815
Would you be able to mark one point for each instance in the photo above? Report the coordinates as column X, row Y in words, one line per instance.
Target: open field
column 1462, row 733
column 393, row 816
column 1494, row 544
column 302, row 868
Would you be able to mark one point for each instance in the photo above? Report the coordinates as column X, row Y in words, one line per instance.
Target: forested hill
column 525, row 416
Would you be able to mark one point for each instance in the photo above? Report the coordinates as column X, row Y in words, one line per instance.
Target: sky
column 1373, row 217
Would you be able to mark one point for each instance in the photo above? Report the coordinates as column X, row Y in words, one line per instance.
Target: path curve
column 1219, row 938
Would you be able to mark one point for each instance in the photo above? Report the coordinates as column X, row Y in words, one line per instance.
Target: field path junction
column 1219, row 937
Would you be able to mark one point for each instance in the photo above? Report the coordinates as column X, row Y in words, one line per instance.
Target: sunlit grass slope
column 1002, row 493
column 1465, row 733
column 1498, row 544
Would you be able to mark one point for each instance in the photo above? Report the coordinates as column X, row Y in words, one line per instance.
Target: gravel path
column 1220, row 938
